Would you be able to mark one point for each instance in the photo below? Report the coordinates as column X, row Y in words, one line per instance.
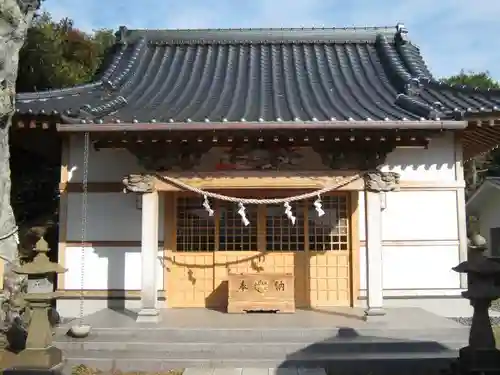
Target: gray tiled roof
column 263, row 75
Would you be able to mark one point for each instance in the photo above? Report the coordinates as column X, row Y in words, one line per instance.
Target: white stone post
column 374, row 266
column 149, row 254
column 144, row 185
column 376, row 184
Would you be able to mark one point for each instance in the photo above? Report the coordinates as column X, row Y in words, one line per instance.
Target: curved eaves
column 450, row 99
column 91, row 94
column 403, row 72
column 48, row 94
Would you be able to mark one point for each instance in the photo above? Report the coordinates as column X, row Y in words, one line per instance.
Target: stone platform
column 337, row 338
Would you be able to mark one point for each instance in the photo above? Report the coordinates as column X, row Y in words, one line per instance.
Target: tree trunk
column 15, row 19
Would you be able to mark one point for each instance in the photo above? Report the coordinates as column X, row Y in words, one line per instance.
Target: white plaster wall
column 107, row 268
column 415, row 267
column 420, row 215
column 110, row 217
column 419, row 228
column 105, row 165
column 436, row 163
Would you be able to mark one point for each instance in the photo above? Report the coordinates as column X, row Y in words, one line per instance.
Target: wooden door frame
column 170, row 230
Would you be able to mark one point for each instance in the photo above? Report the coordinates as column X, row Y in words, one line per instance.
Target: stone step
column 286, row 335
column 338, row 346
column 254, row 371
column 343, row 363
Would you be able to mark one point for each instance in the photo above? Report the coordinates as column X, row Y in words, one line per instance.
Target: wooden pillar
column 376, row 185
column 63, row 208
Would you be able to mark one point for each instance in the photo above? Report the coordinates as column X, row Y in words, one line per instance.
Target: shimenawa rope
column 316, row 193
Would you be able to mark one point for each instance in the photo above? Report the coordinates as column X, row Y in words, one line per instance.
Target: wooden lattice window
column 198, row 232
column 331, row 231
column 233, row 235
column 281, row 234
column 195, row 228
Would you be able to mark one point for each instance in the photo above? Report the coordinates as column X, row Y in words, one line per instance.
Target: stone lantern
column 481, row 355
column 39, row 352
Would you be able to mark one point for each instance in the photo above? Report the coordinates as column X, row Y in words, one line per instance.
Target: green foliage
column 57, row 55
column 482, row 80
column 482, row 165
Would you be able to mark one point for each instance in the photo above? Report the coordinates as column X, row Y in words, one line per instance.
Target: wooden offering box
column 273, row 292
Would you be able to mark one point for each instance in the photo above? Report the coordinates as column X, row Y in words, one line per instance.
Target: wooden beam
column 98, row 243
column 252, row 180
column 63, row 209
column 92, row 187
column 355, row 247
column 288, row 125
column 255, row 185
column 114, row 294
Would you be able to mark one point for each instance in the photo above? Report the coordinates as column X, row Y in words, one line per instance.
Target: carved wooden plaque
column 273, row 292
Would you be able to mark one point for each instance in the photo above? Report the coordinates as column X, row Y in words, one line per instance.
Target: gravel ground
column 467, row 321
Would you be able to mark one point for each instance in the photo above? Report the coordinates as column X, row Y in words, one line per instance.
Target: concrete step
column 338, row 346
column 348, row 363
column 287, row 335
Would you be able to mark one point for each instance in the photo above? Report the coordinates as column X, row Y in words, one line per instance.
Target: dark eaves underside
column 263, row 76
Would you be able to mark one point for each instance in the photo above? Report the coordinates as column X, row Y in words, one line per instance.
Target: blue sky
column 452, row 34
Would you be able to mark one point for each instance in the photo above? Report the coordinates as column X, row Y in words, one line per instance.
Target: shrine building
column 323, row 164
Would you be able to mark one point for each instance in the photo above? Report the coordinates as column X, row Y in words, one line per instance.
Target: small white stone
column 170, row 120
column 188, row 120
column 224, row 119
column 314, row 119
column 207, row 119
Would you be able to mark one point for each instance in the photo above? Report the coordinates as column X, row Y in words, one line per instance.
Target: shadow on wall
column 351, row 353
column 116, row 275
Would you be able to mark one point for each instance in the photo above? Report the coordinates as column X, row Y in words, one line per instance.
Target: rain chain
column 318, row 206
